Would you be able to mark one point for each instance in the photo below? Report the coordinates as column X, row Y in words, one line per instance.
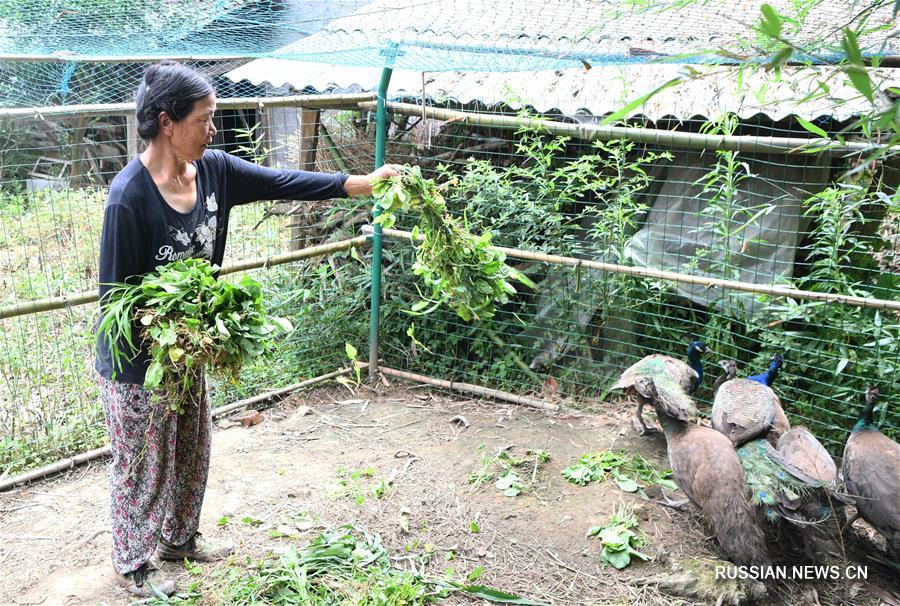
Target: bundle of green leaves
column 619, row 539
column 190, row 319
column 461, row 269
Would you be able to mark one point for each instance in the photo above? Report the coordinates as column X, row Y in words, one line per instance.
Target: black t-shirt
column 142, row 232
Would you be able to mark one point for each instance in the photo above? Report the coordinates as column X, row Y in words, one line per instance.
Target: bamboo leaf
column 811, row 127
column 493, row 595
column 625, row 112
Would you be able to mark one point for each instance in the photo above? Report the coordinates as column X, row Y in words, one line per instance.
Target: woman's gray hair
column 167, row 87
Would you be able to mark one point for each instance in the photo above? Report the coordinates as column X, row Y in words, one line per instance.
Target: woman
column 172, row 202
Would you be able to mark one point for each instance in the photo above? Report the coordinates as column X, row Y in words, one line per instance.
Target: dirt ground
column 281, row 477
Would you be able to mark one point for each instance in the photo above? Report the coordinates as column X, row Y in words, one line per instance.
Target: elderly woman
column 172, row 202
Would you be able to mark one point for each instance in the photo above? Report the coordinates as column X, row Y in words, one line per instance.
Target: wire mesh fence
column 734, row 196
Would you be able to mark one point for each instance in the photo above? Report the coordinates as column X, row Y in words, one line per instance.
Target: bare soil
column 282, row 476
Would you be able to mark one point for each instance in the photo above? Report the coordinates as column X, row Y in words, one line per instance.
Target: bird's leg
column 667, row 502
column 639, row 425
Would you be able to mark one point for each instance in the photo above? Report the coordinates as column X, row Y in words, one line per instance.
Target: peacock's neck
column 866, row 419
column 697, row 365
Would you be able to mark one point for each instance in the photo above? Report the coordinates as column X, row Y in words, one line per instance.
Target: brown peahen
column 800, row 448
column 871, row 472
column 666, row 371
column 744, row 409
column 706, row 467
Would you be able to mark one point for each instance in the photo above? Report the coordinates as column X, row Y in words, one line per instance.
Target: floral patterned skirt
column 160, row 464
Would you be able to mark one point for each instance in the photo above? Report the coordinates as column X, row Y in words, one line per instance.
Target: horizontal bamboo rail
column 326, row 101
column 67, row 301
column 671, row 276
column 72, row 462
column 653, row 136
column 472, row 389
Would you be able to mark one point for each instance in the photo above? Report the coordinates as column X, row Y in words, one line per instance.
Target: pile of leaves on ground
column 459, row 268
column 346, row 566
column 191, row 320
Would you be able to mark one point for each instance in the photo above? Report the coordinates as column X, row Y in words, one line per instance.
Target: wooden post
column 309, row 142
column 132, row 141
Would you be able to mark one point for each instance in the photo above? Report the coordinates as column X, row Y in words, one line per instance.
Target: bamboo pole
column 671, row 276
column 72, row 462
column 326, row 101
column 664, row 138
column 66, row 301
column 470, row 388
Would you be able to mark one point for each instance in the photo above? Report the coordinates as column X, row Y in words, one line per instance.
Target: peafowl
column 706, row 467
column 768, row 377
column 729, row 368
column 666, row 371
column 782, row 490
column 744, row 409
column 871, row 472
column 800, row 448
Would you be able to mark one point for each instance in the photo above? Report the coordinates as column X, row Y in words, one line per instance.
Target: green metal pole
column 375, row 305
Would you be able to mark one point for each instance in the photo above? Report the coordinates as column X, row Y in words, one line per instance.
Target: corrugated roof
column 597, row 91
column 459, row 34
column 433, row 35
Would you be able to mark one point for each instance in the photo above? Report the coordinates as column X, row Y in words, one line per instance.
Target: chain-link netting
column 709, row 194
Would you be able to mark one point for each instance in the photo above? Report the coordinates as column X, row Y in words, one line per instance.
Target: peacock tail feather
column 773, row 484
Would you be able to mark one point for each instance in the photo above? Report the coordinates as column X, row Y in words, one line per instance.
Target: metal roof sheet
column 598, row 91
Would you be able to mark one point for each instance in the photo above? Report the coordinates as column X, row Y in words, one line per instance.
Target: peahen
column 744, row 409
column 871, row 472
column 800, row 448
column 666, row 371
column 729, row 372
column 706, row 467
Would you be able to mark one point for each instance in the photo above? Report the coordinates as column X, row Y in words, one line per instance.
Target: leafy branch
column 461, row 269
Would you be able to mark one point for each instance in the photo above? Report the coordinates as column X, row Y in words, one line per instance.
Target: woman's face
column 191, row 136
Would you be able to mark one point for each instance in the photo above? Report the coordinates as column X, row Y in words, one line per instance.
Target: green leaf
column 420, row 305
column 627, row 484
column 851, row 46
column 282, row 323
column 667, row 483
column 860, row 80
column 811, row 127
column 507, row 480
column 154, row 376
column 617, row 559
column 771, row 22
column 492, row 595
column 475, row 574
column 625, row 112
column 474, row 528
column 350, row 351
column 175, row 353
